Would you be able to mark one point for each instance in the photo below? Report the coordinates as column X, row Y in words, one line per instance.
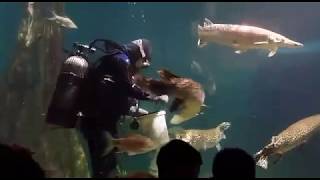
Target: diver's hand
column 162, row 98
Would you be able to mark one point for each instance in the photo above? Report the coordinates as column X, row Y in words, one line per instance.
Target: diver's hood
column 140, row 48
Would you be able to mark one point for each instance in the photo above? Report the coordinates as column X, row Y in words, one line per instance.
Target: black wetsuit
column 107, row 95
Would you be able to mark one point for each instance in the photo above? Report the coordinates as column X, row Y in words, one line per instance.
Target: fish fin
column 110, row 144
column 200, row 113
column 178, row 119
column 203, row 107
column 201, row 43
column 261, row 43
column 200, row 27
column 207, row 22
column 272, row 52
column 223, row 136
column 238, row 51
column 218, row 146
column 274, row 139
column 176, row 105
column 263, row 162
column 166, row 74
column 224, row 126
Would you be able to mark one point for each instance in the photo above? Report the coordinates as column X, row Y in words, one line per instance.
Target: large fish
column 188, row 95
column 243, row 37
column 202, row 139
column 295, row 135
column 63, row 21
column 132, row 144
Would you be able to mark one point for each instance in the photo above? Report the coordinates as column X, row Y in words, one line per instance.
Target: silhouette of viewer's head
column 17, row 161
column 233, row 162
column 178, row 159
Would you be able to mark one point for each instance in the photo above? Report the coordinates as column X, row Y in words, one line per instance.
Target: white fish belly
column 190, row 110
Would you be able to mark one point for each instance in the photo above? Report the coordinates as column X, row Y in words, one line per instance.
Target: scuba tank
column 65, row 103
column 63, row 108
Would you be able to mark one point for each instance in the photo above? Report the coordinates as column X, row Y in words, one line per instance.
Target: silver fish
column 63, row 21
column 243, row 37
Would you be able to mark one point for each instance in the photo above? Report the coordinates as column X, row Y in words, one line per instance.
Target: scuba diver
column 95, row 95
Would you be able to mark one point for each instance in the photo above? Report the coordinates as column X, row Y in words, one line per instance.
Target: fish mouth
column 298, row 44
column 294, row 45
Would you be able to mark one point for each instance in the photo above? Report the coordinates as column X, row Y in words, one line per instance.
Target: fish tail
column 262, row 161
column 166, row 74
column 224, row 126
column 110, row 144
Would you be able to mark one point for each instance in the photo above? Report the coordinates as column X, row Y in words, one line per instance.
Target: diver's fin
column 166, row 74
column 110, row 142
column 207, row 22
column 201, row 43
column 261, row 43
column 218, row 146
column 176, row 105
column 272, row 52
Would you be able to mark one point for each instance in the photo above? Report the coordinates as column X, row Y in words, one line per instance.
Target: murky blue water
column 260, row 96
